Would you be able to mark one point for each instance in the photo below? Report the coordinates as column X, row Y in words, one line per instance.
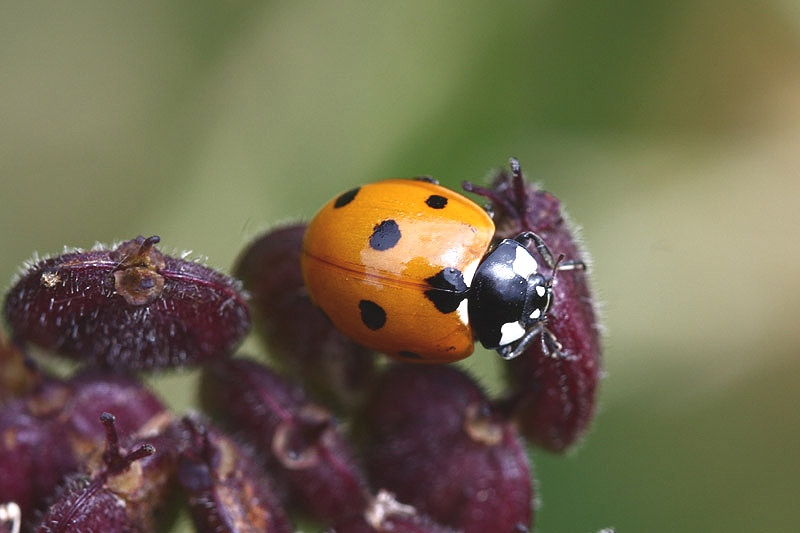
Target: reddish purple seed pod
column 119, row 490
column 386, row 514
column 227, row 490
column 434, row 442
column 136, row 409
column 553, row 396
column 34, row 455
column 130, row 307
column 48, row 433
column 299, row 335
column 300, row 439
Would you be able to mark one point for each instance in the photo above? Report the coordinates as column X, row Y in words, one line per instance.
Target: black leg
column 556, row 264
column 550, row 345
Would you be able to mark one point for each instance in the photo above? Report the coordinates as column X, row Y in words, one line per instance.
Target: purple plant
column 421, row 448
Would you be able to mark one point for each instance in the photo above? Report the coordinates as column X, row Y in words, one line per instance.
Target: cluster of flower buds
column 116, row 489
column 419, row 449
column 51, row 431
column 98, row 451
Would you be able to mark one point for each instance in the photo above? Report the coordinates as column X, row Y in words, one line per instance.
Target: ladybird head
column 541, row 295
column 510, row 298
column 508, row 295
column 539, row 298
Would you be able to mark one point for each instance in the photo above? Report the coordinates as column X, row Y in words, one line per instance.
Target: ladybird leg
column 526, row 237
column 512, row 351
column 556, row 349
column 557, row 264
column 572, row 264
column 551, row 347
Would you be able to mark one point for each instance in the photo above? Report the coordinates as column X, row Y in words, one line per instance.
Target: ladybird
column 404, row 266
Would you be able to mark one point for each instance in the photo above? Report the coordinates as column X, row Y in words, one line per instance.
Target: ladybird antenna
column 555, row 269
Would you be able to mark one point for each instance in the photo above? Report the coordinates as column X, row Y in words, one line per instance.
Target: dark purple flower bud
column 385, row 514
column 228, row 491
column 48, row 433
column 433, row 440
column 136, row 409
column 34, row 455
column 553, row 395
column 130, row 307
column 300, row 439
column 119, row 490
column 299, row 335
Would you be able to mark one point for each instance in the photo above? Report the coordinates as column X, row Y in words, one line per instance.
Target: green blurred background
column 669, row 129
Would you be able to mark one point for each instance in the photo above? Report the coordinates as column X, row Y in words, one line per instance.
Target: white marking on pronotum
column 511, row 331
column 524, row 263
column 536, row 314
column 540, row 290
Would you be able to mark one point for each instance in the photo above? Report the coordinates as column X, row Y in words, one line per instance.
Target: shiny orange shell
column 368, row 256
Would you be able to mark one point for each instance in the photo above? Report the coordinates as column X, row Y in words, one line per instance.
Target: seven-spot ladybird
column 401, row 266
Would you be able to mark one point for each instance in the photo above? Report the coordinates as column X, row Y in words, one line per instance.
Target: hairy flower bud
column 130, row 307
column 299, row 335
column 433, row 441
column 300, row 440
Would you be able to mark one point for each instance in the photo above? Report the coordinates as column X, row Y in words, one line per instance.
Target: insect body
column 401, row 266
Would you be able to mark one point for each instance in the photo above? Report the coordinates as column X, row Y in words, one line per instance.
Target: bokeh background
column 670, row 129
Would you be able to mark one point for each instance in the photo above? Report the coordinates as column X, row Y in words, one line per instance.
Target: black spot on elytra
column 372, row 315
column 448, row 279
column 449, row 289
column 435, row 201
column 345, row 198
column 385, row 235
column 409, row 355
